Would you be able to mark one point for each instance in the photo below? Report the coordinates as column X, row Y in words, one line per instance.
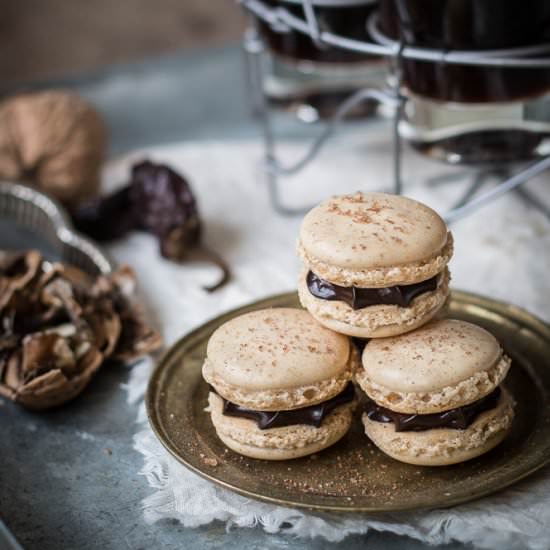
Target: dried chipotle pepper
column 158, row 201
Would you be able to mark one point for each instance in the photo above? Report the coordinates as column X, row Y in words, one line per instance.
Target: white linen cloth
column 502, row 251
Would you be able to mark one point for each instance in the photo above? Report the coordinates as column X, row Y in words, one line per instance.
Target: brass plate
column 353, row 475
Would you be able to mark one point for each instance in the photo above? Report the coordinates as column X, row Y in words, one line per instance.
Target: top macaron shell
column 277, row 359
column 374, row 240
column 443, row 365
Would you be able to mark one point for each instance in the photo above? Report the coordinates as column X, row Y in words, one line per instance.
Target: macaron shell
column 366, row 231
column 376, row 321
column 378, row 277
column 264, row 453
column 467, row 391
column 442, row 353
column 442, row 447
column 244, row 437
column 273, row 349
column 285, row 398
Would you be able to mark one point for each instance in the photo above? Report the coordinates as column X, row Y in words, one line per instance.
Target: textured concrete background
column 69, row 479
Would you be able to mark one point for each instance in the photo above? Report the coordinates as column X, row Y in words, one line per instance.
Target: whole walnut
column 53, row 140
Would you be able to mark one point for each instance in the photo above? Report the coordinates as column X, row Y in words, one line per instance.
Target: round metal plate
column 353, row 475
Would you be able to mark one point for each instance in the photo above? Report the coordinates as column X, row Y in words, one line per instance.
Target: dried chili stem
column 213, row 257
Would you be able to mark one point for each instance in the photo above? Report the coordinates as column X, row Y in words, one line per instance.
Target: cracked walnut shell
column 58, row 326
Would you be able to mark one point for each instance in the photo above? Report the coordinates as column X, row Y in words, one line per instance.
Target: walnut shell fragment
column 49, row 370
column 59, row 326
column 136, row 337
column 54, row 140
column 15, row 273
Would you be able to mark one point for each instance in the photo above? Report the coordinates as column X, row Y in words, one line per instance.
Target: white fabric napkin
column 502, row 251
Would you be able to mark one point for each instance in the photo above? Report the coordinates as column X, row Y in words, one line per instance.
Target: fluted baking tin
column 44, row 217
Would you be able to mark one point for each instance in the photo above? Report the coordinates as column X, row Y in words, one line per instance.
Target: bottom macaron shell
column 442, row 447
column 378, row 321
column 244, row 437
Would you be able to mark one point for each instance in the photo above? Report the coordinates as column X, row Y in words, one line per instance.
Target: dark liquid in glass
column 472, row 25
column 314, row 85
column 485, row 147
column 341, row 19
column 469, row 25
column 326, row 103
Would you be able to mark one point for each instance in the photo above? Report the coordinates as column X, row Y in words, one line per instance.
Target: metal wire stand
column 281, row 20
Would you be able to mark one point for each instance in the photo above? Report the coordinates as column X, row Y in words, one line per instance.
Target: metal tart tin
column 30, row 219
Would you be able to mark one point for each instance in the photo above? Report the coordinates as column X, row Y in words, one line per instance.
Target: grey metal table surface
column 69, row 478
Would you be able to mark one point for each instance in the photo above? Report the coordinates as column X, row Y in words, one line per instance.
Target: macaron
column 374, row 264
column 434, row 394
column 280, row 384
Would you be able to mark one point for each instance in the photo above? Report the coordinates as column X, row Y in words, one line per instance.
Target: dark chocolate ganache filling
column 312, row 415
column 458, row 419
column 358, row 298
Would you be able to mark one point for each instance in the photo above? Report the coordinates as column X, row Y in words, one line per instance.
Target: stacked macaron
column 374, row 265
column 434, row 393
column 280, row 384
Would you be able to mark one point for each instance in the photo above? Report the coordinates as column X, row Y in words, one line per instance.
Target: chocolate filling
column 312, row 415
column 458, row 419
column 358, row 298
